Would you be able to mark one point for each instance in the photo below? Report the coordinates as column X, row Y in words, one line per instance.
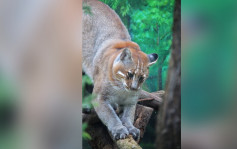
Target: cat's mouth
column 130, row 89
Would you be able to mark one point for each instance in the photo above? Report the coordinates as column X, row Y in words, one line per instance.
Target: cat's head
column 131, row 67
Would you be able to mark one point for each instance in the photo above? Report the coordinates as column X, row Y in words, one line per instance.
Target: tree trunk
column 169, row 118
column 160, row 78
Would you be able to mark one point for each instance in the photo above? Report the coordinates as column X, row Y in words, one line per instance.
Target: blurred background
column 209, row 58
column 40, row 74
column 149, row 23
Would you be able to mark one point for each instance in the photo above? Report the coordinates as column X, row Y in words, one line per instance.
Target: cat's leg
column 109, row 117
column 127, row 118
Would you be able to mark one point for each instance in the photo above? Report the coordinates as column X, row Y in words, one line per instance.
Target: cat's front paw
column 119, row 132
column 134, row 132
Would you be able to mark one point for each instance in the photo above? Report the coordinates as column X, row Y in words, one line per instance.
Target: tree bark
column 160, row 78
column 169, row 118
column 152, row 100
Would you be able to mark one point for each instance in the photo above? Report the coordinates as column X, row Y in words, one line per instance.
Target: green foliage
column 87, row 102
column 85, row 81
column 7, row 93
column 120, row 6
column 85, row 135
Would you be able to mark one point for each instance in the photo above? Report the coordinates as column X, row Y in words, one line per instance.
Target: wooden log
column 152, row 100
column 142, row 117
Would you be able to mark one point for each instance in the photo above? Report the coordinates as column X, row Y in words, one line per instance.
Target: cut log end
column 128, row 143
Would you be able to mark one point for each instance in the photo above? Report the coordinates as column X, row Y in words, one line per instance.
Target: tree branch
column 152, row 100
column 101, row 138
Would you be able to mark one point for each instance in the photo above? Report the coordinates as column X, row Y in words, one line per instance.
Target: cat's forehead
column 139, row 59
column 138, row 68
column 139, row 63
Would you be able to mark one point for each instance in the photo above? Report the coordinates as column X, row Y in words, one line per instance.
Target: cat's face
column 131, row 67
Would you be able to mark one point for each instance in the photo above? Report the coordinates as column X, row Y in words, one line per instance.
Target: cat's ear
column 152, row 58
column 126, row 55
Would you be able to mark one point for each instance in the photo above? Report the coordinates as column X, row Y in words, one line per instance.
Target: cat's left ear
column 152, row 58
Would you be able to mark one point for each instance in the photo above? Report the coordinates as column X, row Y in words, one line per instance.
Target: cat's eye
column 130, row 75
column 141, row 79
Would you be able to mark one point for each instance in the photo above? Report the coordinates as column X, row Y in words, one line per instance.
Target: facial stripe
column 136, row 71
column 139, row 67
column 132, row 59
column 134, row 76
column 120, row 73
column 125, row 84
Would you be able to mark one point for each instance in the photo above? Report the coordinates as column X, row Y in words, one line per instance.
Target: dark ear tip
column 153, row 57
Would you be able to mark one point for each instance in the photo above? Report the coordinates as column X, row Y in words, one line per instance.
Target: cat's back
column 100, row 25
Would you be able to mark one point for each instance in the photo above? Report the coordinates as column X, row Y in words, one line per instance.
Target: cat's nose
column 134, row 86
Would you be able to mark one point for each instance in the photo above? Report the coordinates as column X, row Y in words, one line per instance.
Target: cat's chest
column 121, row 97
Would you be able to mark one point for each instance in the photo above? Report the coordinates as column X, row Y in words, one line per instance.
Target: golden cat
column 117, row 67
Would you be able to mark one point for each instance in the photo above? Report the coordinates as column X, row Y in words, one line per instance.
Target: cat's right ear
column 152, row 58
column 126, row 56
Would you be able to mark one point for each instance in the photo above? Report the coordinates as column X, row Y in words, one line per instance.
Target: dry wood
column 128, row 143
column 154, row 101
